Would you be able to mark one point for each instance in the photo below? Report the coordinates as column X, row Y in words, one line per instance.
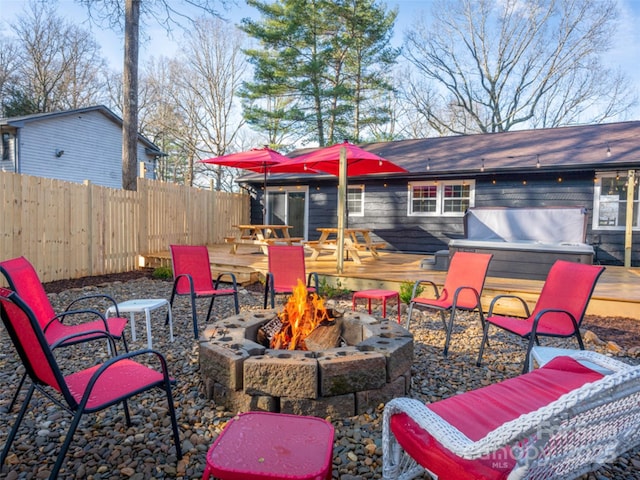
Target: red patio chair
column 286, row 267
column 84, row 391
column 23, row 279
column 462, row 290
column 192, row 276
column 558, row 312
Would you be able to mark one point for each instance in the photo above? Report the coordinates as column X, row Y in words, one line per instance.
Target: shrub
column 162, row 273
column 406, row 291
column 331, row 291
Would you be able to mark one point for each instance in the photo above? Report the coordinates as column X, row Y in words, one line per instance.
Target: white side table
column 542, row 355
column 145, row 305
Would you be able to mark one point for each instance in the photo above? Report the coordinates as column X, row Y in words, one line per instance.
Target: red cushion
column 478, row 412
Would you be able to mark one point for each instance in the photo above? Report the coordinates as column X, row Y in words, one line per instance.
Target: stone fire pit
column 373, row 367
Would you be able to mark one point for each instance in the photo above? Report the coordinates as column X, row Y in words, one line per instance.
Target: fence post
column 89, row 223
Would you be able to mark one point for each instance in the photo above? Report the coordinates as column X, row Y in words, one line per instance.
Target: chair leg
column 409, row 312
column 174, row 422
column 210, row 309
column 15, row 395
column 194, row 316
column 67, row 441
column 12, row 434
column 236, row 302
column 266, row 292
column 485, row 337
column 444, row 321
column 449, row 329
column 532, row 339
column 173, row 295
column 127, row 415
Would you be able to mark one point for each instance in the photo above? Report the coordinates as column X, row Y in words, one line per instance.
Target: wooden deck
column 617, row 292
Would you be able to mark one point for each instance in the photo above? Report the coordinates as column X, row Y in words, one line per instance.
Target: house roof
column 585, row 147
column 20, row 121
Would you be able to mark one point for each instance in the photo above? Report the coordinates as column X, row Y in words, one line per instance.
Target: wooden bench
column 287, row 240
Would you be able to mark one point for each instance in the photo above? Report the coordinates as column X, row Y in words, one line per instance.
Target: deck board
column 617, row 292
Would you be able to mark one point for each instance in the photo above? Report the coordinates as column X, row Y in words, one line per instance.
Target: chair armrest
column 229, row 274
column 66, row 313
column 94, row 334
column 103, row 296
column 500, row 297
column 417, row 284
column 459, row 290
column 542, row 313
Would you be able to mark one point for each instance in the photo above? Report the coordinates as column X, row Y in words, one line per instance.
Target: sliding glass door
column 288, row 206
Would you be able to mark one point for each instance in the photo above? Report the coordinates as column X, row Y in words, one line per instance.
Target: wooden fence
column 69, row 230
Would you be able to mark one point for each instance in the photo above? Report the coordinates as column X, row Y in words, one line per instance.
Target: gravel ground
column 104, row 448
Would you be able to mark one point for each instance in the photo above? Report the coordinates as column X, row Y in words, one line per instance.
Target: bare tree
column 214, row 69
column 166, row 13
column 60, row 65
column 8, row 66
column 495, row 65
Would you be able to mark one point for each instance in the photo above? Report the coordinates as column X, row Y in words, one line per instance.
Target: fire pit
column 371, row 365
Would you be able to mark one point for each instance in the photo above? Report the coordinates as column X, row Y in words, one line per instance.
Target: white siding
column 92, row 146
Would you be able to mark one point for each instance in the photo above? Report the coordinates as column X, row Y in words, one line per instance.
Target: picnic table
column 356, row 241
column 261, row 235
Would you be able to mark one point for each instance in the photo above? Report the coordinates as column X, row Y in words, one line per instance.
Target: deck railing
column 70, row 230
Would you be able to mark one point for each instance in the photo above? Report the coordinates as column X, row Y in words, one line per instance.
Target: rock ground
column 104, row 448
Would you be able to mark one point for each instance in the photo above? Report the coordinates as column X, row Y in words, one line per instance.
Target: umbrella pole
column 342, row 197
column 264, row 198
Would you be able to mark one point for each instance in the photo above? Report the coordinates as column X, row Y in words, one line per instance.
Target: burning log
column 324, row 336
column 303, row 313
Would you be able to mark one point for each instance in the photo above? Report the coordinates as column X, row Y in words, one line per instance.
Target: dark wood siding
column 386, row 210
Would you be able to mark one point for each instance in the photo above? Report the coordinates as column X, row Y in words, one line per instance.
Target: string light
column 608, row 150
column 482, row 166
column 428, row 164
column 537, row 161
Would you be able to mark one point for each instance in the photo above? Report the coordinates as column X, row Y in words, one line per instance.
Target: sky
column 155, row 42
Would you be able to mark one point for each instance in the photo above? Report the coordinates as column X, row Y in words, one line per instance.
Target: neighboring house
column 74, row 145
column 421, row 211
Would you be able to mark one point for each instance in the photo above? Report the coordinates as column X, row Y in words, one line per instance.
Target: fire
column 302, row 313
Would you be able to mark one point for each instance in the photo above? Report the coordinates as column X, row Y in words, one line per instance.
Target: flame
column 302, row 313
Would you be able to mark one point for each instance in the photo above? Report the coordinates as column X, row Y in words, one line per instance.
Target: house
column 423, row 210
column 73, row 145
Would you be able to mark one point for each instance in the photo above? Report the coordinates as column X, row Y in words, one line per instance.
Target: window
column 449, row 198
column 5, row 146
column 610, row 201
column 355, row 200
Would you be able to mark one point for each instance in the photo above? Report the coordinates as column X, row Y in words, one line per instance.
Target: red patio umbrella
column 259, row 160
column 344, row 160
column 359, row 161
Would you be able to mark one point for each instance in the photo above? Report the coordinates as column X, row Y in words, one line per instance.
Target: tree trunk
column 130, row 103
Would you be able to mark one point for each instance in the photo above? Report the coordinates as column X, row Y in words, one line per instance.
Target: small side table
column 145, row 305
column 382, row 295
column 542, row 355
column 272, row 446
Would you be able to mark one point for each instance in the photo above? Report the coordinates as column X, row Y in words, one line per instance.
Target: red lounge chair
column 84, row 391
column 462, row 290
column 23, row 279
column 192, row 276
column 559, row 310
column 559, row 421
column 286, row 267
